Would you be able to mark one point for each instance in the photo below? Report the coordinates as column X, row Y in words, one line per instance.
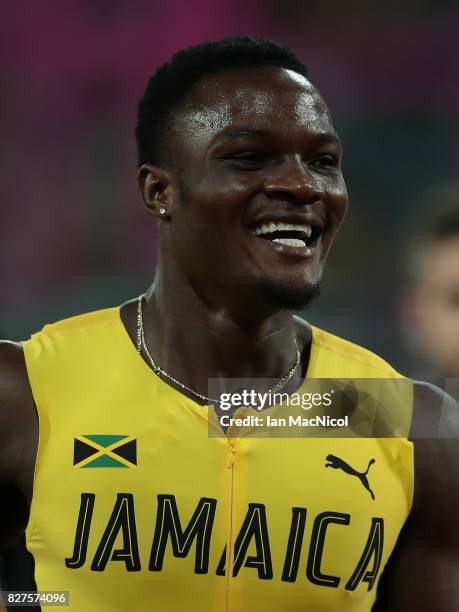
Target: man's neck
column 194, row 341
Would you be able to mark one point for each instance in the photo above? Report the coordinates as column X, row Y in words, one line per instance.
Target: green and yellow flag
column 104, row 451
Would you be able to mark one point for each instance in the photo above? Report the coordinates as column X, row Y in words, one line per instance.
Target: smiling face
column 256, row 191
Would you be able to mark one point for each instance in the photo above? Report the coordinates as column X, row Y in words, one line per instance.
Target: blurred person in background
column 429, row 304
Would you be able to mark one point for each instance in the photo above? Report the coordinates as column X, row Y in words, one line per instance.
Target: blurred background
column 73, row 235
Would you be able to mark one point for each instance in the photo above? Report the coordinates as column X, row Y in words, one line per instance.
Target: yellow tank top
column 135, row 507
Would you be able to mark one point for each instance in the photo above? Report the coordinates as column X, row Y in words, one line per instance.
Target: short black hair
column 171, row 82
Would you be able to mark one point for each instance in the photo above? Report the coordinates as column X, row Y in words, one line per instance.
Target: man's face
column 436, row 306
column 259, row 189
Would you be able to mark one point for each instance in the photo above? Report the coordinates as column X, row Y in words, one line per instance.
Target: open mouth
column 300, row 236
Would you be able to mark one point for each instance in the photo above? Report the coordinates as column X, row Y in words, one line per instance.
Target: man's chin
column 290, row 297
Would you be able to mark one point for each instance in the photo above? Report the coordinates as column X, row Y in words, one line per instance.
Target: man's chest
column 162, row 499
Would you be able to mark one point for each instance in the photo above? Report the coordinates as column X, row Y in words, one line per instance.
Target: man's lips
column 290, row 246
column 297, row 236
column 281, row 219
column 299, row 232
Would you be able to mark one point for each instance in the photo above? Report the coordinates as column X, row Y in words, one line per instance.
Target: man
column 240, row 164
column 430, row 304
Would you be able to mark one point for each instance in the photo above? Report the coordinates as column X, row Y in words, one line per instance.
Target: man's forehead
column 255, row 95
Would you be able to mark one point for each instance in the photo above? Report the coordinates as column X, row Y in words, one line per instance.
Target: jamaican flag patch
column 104, row 451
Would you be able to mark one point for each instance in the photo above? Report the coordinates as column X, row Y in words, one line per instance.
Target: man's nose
column 293, row 180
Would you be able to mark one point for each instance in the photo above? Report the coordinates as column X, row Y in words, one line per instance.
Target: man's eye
column 249, row 159
column 325, row 161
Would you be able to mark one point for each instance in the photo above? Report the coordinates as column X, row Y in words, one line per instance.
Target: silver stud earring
column 162, row 211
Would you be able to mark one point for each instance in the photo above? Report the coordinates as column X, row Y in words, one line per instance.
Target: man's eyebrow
column 236, row 133
column 240, row 133
column 327, row 137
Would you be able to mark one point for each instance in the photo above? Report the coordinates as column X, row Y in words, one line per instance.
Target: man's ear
column 155, row 189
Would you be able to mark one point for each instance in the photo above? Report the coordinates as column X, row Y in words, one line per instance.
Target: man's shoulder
column 436, row 413
column 81, row 323
column 14, row 384
column 12, row 365
column 347, row 353
column 69, row 349
column 16, row 402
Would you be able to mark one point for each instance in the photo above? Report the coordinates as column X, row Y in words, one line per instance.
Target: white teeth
column 269, row 228
column 294, row 242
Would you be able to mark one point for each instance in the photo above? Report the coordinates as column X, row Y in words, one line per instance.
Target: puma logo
column 339, row 464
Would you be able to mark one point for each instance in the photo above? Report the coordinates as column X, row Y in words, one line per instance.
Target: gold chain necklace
column 141, row 343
